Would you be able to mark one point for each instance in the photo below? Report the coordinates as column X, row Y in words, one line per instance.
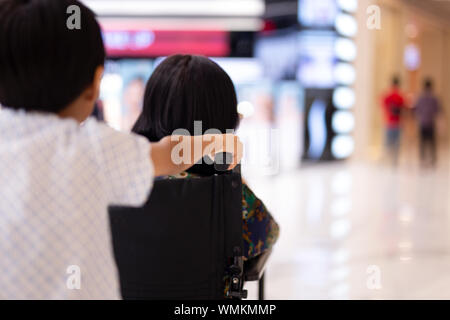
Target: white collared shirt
column 56, row 180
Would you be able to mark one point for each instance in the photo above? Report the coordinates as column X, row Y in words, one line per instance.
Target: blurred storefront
column 331, row 57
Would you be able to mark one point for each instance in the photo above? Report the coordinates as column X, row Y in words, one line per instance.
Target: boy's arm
column 166, row 153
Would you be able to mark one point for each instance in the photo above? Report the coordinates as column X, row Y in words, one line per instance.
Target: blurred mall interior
column 311, row 76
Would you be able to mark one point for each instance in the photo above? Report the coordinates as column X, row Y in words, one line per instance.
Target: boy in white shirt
column 59, row 171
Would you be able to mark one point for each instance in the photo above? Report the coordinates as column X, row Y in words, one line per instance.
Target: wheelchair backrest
column 179, row 244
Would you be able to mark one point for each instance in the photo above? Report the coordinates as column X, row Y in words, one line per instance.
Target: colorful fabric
column 260, row 231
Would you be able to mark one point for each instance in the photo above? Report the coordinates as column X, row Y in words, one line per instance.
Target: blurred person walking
column 393, row 103
column 426, row 109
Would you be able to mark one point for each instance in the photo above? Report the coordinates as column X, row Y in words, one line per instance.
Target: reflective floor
column 359, row 231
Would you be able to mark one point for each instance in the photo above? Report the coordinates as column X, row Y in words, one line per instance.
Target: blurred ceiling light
column 246, row 109
column 348, row 5
column 190, row 23
column 340, row 228
column 345, row 49
column 342, row 146
column 243, row 8
column 343, row 122
column 344, row 73
column 317, row 129
column 411, row 57
column 346, row 25
column 343, row 97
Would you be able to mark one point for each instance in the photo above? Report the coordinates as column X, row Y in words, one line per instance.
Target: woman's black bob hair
column 184, row 89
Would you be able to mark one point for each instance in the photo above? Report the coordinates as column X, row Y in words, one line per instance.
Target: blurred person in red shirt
column 393, row 103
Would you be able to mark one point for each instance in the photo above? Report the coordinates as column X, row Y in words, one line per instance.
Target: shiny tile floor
column 359, row 231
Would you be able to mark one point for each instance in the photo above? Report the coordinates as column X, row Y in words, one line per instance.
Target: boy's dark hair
column 184, row 89
column 44, row 65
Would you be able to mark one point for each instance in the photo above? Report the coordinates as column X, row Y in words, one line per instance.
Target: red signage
column 143, row 42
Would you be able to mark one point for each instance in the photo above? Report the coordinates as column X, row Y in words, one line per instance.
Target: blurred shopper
column 132, row 102
column 184, row 89
column 426, row 110
column 393, row 103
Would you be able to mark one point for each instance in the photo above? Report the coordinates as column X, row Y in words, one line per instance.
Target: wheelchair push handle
column 222, row 161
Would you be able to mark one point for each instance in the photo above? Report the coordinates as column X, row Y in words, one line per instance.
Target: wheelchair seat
column 254, row 268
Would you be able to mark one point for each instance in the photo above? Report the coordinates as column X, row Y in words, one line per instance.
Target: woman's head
column 184, row 89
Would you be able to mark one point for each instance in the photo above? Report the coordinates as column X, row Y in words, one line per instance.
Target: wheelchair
column 185, row 241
